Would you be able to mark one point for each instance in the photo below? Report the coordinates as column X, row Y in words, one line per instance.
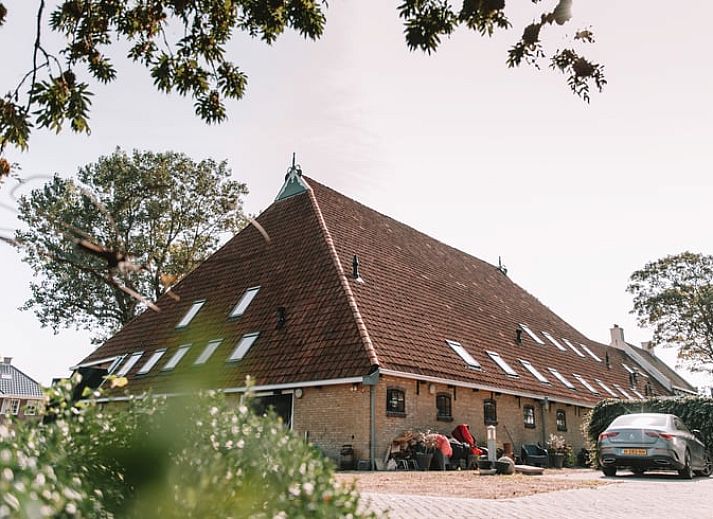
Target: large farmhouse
column 356, row 327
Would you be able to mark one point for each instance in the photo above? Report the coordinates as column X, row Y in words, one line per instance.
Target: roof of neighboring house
column 676, row 379
column 415, row 293
column 14, row 382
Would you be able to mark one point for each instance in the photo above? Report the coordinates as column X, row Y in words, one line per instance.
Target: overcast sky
column 494, row 161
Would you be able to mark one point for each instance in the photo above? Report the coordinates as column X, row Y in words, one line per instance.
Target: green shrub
column 158, row 457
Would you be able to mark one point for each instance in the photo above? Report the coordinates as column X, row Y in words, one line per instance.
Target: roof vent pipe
column 355, row 270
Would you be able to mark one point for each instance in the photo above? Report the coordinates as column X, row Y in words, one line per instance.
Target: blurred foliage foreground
column 198, row 456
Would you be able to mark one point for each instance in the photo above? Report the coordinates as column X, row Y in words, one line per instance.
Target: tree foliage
column 199, row 457
column 183, row 45
column 160, row 211
column 674, row 295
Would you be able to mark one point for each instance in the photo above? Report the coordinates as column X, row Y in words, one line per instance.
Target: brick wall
column 23, row 403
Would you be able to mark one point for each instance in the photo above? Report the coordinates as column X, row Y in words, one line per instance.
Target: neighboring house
column 20, row 395
column 356, row 327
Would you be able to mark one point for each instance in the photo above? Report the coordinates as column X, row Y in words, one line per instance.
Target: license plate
column 634, row 452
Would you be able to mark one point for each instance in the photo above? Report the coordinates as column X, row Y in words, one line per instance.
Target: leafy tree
column 674, row 295
column 102, row 252
column 53, row 93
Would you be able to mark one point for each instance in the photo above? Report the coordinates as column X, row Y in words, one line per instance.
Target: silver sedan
column 653, row 441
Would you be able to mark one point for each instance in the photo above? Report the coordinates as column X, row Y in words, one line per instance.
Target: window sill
column 491, row 423
column 396, row 414
column 530, row 426
column 444, row 418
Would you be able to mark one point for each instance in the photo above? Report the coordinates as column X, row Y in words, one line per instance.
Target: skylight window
column 153, row 359
column 173, row 361
column 586, row 384
column 460, row 350
column 133, row 359
column 190, row 314
column 243, row 346
column 573, row 347
column 606, row 388
column 244, row 302
column 637, row 393
column 531, row 334
column 627, row 368
column 208, row 351
column 501, row 362
column 554, row 341
column 621, row 390
column 535, row 373
column 561, row 378
column 591, row 353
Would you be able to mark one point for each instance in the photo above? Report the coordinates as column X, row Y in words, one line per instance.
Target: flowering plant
column 557, row 443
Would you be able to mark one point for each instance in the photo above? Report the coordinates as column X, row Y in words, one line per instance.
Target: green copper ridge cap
column 294, row 183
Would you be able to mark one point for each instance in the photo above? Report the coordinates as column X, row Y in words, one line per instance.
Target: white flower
column 308, row 488
column 294, row 489
column 7, row 474
column 71, row 508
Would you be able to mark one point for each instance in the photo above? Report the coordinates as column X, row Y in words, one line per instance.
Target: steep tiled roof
column 676, row 380
column 417, row 292
column 14, row 382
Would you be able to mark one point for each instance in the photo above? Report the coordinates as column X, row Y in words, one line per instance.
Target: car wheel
column 707, row 467
column 609, row 471
column 687, row 471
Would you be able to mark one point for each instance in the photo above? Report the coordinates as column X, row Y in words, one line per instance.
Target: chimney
column 648, row 346
column 7, row 360
column 617, row 337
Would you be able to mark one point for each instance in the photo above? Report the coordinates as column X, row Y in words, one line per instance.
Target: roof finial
column 293, row 159
column 295, row 169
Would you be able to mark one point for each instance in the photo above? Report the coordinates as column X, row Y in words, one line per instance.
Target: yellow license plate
column 635, row 452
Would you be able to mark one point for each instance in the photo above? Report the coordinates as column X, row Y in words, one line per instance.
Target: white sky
column 496, row 162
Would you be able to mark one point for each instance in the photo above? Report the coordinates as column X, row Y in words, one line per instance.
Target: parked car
column 653, row 441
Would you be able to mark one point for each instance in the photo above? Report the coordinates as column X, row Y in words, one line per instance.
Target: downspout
column 371, row 380
column 544, row 407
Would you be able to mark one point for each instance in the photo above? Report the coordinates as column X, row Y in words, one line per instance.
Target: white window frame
column 585, row 383
column 243, row 346
column 151, row 362
column 129, row 363
column 534, row 371
column 573, row 347
column 244, row 302
column 591, row 353
column 11, row 406
column 622, row 391
column 495, row 356
column 606, row 388
column 176, row 358
column 627, row 368
column 554, row 341
column 207, row 352
column 532, row 334
column 191, row 313
column 463, row 354
column 559, row 376
column 30, row 404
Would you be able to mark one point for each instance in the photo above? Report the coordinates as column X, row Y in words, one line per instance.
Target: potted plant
column 557, row 448
column 425, row 446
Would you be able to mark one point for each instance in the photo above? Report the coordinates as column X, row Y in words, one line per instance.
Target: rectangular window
column 208, row 351
column 153, row 359
column 490, row 412
column 460, row 350
column 501, row 362
column 395, row 401
column 243, row 346
column 531, row 334
column 621, row 390
column 444, row 410
column 30, row 408
column 176, row 358
column 561, row 420
column 535, row 373
column 244, row 302
column 561, row 378
column 586, row 384
column 528, row 416
column 133, row 359
column 573, row 347
column 606, row 388
column 591, row 353
column 11, row 406
column 190, row 314
column 627, row 368
column 554, row 341
column 637, row 393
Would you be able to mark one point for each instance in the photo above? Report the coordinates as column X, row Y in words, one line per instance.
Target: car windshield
column 640, row 420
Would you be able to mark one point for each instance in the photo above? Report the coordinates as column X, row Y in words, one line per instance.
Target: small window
column 561, row 420
column 490, row 412
column 621, row 390
column 531, row 334
column 636, row 392
column 586, row 384
column 460, row 350
column 561, row 378
column 554, row 341
column 30, row 408
column 208, row 351
column 244, row 302
column 573, row 347
column 190, row 314
column 501, row 362
column 153, row 359
column 591, row 353
column 627, row 368
column 606, row 388
column 6, row 376
column 11, row 407
column 528, row 416
column 395, row 401
column 173, row 361
column 243, row 346
column 133, row 359
column 535, row 372
column 443, row 407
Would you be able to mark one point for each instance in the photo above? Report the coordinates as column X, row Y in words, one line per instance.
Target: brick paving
column 650, row 496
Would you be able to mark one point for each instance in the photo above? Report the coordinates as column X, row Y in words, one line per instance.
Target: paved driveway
column 649, row 496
